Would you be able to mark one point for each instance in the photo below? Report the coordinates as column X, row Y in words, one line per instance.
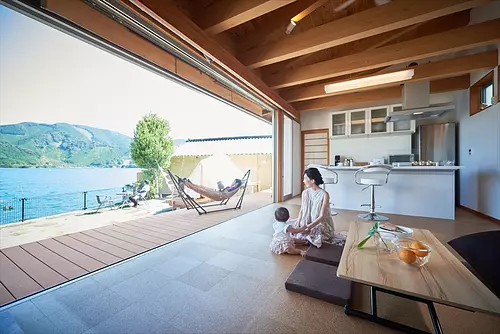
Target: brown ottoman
column 327, row 254
column 319, row 280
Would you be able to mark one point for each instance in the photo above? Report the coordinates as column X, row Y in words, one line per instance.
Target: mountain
column 62, row 145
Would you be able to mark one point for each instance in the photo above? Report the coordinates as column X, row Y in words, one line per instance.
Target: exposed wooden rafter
column 270, row 23
column 380, row 95
column 166, row 16
column 371, row 22
column 225, row 14
column 428, row 71
column 422, row 29
column 454, row 40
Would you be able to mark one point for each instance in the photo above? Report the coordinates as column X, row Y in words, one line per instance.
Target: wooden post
column 279, row 152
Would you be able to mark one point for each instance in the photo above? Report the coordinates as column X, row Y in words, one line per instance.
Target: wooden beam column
column 280, row 121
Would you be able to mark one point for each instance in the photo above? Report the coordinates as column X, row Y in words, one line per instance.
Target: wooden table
column 444, row 279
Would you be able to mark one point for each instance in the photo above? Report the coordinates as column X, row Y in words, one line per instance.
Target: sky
column 47, row 76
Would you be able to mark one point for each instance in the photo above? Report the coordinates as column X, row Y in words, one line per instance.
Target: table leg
column 372, row 316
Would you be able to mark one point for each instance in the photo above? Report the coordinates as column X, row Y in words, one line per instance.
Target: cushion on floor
column 319, row 280
column 481, row 252
column 327, row 254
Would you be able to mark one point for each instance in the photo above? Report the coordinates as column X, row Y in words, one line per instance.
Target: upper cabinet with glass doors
column 369, row 121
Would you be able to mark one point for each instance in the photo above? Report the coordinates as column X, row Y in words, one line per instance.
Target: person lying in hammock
column 235, row 185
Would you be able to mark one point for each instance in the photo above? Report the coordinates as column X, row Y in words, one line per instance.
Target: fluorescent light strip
column 369, row 81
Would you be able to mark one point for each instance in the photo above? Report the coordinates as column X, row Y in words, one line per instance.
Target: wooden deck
column 33, row 267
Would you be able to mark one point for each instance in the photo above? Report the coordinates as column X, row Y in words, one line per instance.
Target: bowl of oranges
column 413, row 252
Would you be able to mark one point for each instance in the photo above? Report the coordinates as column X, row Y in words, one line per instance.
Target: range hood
column 416, row 104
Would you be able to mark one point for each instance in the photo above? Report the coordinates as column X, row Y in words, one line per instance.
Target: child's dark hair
column 281, row 214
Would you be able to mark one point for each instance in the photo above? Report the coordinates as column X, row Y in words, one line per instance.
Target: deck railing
column 27, row 208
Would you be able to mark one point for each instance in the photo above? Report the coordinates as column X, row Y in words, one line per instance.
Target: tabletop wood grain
column 444, row 279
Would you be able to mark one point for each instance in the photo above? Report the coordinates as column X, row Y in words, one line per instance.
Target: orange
column 419, row 249
column 407, row 256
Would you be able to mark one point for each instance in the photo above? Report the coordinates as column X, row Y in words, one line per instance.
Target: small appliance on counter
column 378, row 161
column 398, row 160
column 337, row 160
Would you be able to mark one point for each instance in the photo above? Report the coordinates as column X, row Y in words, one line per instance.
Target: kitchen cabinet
column 377, row 120
column 339, row 125
column 357, row 122
column 368, row 121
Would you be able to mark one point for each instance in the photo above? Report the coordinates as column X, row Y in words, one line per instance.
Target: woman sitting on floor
column 315, row 213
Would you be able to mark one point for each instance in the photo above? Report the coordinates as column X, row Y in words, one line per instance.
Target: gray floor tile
column 228, row 260
column 67, row 321
column 201, row 252
column 177, row 266
column 49, row 304
column 204, row 276
column 78, row 289
column 134, row 319
column 41, row 326
column 93, row 309
column 25, row 312
column 211, row 315
column 8, row 324
column 236, row 287
column 170, row 300
column 256, row 268
column 136, row 287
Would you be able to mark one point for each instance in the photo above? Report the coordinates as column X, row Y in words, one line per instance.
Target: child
column 282, row 240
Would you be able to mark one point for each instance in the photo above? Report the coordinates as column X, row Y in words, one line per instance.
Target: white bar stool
column 372, row 176
column 333, row 179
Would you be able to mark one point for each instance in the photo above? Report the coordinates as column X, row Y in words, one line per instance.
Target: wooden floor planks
column 41, row 273
column 32, row 267
column 64, row 267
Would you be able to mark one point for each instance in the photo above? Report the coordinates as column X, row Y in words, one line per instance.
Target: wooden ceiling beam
column 428, row 71
column 380, row 95
column 371, row 22
column 223, row 15
column 166, row 16
column 422, row 29
column 270, row 23
column 450, row 41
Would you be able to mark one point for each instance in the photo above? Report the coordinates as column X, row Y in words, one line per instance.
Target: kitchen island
column 423, row 191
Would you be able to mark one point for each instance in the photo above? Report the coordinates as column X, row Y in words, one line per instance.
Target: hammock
column 217, row 195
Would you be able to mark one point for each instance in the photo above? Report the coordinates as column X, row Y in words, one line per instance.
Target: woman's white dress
column 281, row 239
column 312, row 205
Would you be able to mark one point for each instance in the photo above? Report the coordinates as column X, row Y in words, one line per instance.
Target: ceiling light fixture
column 290, row 27
column 369, row 81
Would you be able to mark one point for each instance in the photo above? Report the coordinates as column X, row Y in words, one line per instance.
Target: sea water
column 50, row 191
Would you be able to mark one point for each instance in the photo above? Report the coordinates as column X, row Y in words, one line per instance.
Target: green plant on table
column 371, row 232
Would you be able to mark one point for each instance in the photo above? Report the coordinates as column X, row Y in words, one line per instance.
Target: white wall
column 480, row 177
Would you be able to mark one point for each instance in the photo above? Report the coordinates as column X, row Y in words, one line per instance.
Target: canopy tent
column 211, row 170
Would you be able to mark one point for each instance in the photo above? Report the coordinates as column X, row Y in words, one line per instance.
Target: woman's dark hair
column 281, row 214
column 314, row 174
column 146, row 181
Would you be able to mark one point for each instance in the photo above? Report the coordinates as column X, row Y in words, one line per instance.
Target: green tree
column 152, row 146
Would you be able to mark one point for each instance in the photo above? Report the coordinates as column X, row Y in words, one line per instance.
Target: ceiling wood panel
column 378, row 20
column 454, row 40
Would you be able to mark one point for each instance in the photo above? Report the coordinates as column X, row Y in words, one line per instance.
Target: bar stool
column 372, row 176
column 333, row 179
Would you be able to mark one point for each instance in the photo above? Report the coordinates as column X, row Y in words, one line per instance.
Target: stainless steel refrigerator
column 437, row 143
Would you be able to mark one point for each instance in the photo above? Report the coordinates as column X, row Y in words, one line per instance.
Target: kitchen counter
column 423, row 191
column 437, row 168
